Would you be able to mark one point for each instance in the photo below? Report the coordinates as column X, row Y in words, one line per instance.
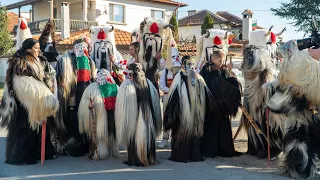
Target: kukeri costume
column 173, row 64
column 296, row 96
column 138, row 117
column 98, row 120
column 75, row 72
column 258, row 68
column 103, row 44
column 26, row 103
column 188, row 106
column 214, row 38
column 47, row 44
column 152, row 36
column 23, row 32
column 217, row 139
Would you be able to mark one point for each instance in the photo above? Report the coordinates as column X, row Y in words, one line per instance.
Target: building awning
column 20, row 4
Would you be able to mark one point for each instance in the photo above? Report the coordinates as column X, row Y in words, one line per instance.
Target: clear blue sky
column 260, row 8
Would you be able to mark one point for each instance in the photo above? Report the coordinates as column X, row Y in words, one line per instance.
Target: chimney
column 65, row 20
column 191, row 12
column 246, row 24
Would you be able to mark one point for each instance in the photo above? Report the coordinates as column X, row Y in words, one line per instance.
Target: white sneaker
column 164, row 143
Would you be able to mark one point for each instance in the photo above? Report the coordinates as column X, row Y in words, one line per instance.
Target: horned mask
column 23, row 32
column 214, row 39
column 103, row 43
column 152, row 34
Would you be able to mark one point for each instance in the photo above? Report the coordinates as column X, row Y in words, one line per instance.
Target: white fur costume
column 258, row 68
column 100, row 120
column 152, row 36
column 23, row 32
column 296, row 97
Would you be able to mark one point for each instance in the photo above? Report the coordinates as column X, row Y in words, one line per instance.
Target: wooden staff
column 250, row 119
column 95, row 156
column 43, row 142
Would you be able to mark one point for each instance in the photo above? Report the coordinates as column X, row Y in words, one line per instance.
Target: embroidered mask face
column 80, row 49
column 175, row 57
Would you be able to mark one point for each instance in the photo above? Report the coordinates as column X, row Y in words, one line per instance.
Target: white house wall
column 41, row 10
column 135, row 11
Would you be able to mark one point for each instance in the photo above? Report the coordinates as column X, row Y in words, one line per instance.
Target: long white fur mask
column 301, row 71
column 23, row 32
column 152, row 34
column 213, row 38
column 102, row 36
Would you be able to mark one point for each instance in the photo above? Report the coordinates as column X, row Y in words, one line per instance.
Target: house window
column 157, row 14
column 116, row 13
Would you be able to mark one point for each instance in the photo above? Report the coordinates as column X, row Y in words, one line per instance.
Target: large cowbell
column 102, row 49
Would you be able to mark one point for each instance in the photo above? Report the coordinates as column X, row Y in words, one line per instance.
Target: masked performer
column 138, row 117
column 258, row 68
column 26, row 103
column 208, row 42
column 188, row 106
column 23, row 32
column 173, row 65
column 296, row 96
column 152, row 35
column 217, row 140
column 47, row 44
column 96, row 116
column 105, row 54
column 75, row 72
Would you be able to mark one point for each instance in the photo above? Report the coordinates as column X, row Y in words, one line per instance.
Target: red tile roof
column 121, row 37
column 13, row 20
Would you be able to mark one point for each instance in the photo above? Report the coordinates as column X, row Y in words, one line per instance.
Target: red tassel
column 109, row 80
column 125, row 73
column 273, row 38
column 127, row 67
column 86, row 53
column 125, row 61
column 23, row 25
column 101, row 34
column 154, row 28
column 229, row 40
column 217, row 40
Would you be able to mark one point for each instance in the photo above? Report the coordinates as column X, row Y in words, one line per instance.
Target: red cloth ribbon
column 109, row 103
column 154, row 28
column 23, row 25
column 229, row 40
column 273, row 38
column 217, row 40
column 101, row 34
column 83, row 75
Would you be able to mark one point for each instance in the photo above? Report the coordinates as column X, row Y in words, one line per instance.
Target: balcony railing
column 75, row 25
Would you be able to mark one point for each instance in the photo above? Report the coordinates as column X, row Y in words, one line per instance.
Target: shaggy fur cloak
column 138, row 117
column 26, row 102
column 188, row 106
